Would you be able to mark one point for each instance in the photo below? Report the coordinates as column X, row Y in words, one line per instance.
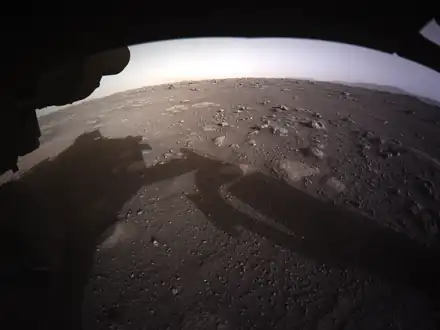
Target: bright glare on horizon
column 208, row 58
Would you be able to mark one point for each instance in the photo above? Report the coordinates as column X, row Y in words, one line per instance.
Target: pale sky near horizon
column 207, row 58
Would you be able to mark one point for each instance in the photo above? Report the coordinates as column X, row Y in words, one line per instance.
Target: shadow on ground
column 319, row 230
column 56, row 214
column 52, row 217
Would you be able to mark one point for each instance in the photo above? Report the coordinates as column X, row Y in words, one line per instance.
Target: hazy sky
column 205, row 58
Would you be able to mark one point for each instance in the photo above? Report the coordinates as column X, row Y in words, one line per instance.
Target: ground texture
column 228, row 204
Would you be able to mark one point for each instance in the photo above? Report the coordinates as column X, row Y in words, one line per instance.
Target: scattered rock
column 336, row 184
column 391, row 150
column 281, row 107
column 348, row 120
column 252, row 143
column 304, row 121
column 299, row 109
column 210, row 128
column 205, row 105
column 428, row 188
column 395, row 191
column 155, row 242
column 218, row 141
column 176, row 108
column 415, row 208
column 384, row 154
column 395, row 142
column 362, row 142
column 234, row 146
column 369, row 135
column 317, row 124
column 313, row 151
column 175, row 291
column 316, row 152
column 242, row 107
column 294, row 170
column 167, row 155
column 263, row 102
column 255, row 131
column 224, row 124
column 319, row 145
column 280, row 130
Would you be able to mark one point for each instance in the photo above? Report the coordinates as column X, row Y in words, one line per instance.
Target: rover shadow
column 318, row 230
column 51, row 219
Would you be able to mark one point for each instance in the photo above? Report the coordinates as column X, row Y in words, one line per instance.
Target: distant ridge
column 389, row 89
column 375, row 87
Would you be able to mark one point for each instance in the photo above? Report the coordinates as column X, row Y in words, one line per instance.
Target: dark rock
column 280, row 130
column 218, row 141
column 281, row 107
column 428, row 188
column 369, row 135
column 414, row 208
column 317, row 124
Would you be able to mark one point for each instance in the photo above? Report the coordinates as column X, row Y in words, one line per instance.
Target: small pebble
column 318, row 153
column 218, row 141
column 317, row 125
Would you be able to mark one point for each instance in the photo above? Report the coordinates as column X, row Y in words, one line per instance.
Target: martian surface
column 227, row 204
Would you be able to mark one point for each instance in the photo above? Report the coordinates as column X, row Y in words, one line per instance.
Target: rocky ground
column 229, row 204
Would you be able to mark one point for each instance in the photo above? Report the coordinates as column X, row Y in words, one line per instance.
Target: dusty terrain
column 228, row 204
